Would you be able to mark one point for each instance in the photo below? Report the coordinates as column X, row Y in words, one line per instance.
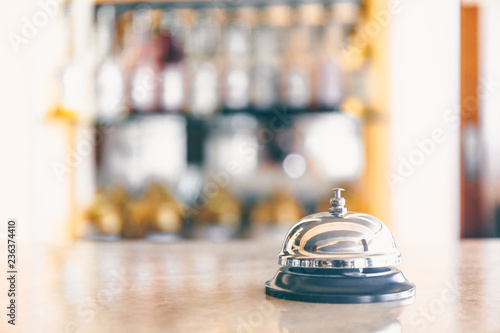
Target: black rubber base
column 322, row 285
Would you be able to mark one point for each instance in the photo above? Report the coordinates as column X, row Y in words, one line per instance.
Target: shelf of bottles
column 223, row 119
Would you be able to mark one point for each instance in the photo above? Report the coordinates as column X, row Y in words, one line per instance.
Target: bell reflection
column 374, row 317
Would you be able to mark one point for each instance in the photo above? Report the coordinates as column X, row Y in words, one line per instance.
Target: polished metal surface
column 339, row 257
column 337, row 203
column 339, row 239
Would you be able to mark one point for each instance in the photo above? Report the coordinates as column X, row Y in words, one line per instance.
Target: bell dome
column 353, row 240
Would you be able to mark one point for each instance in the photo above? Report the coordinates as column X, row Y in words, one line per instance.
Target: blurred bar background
column 171, row 120
column 209, row 119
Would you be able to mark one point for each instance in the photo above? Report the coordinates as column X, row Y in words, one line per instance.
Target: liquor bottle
column 347, row 55
column 298, row 71
column 138, row 214
column 109, row 84
column 237, row 45
column 268, row 38
column 330, row 78
column 203, row 41
column 224, row 141
column 106, row 214
column 104, row 218
column 167, row 216
column 144, row 82
column 220, row 219
column 346, row 13
column 274, row 214
column 71, row 98
column 172, row 38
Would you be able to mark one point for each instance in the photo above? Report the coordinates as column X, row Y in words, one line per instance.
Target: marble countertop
column 196, row 286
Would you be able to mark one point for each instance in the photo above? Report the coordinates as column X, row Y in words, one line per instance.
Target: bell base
column 342, row 286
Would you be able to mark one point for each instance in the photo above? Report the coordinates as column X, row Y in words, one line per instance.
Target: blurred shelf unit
column 205, row 110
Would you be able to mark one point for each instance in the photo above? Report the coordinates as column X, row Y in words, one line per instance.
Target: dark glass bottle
column 172, row 76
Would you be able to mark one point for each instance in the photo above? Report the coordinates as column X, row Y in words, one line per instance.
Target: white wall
column 424, row 40
column 15, row 122
column 30, row 143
